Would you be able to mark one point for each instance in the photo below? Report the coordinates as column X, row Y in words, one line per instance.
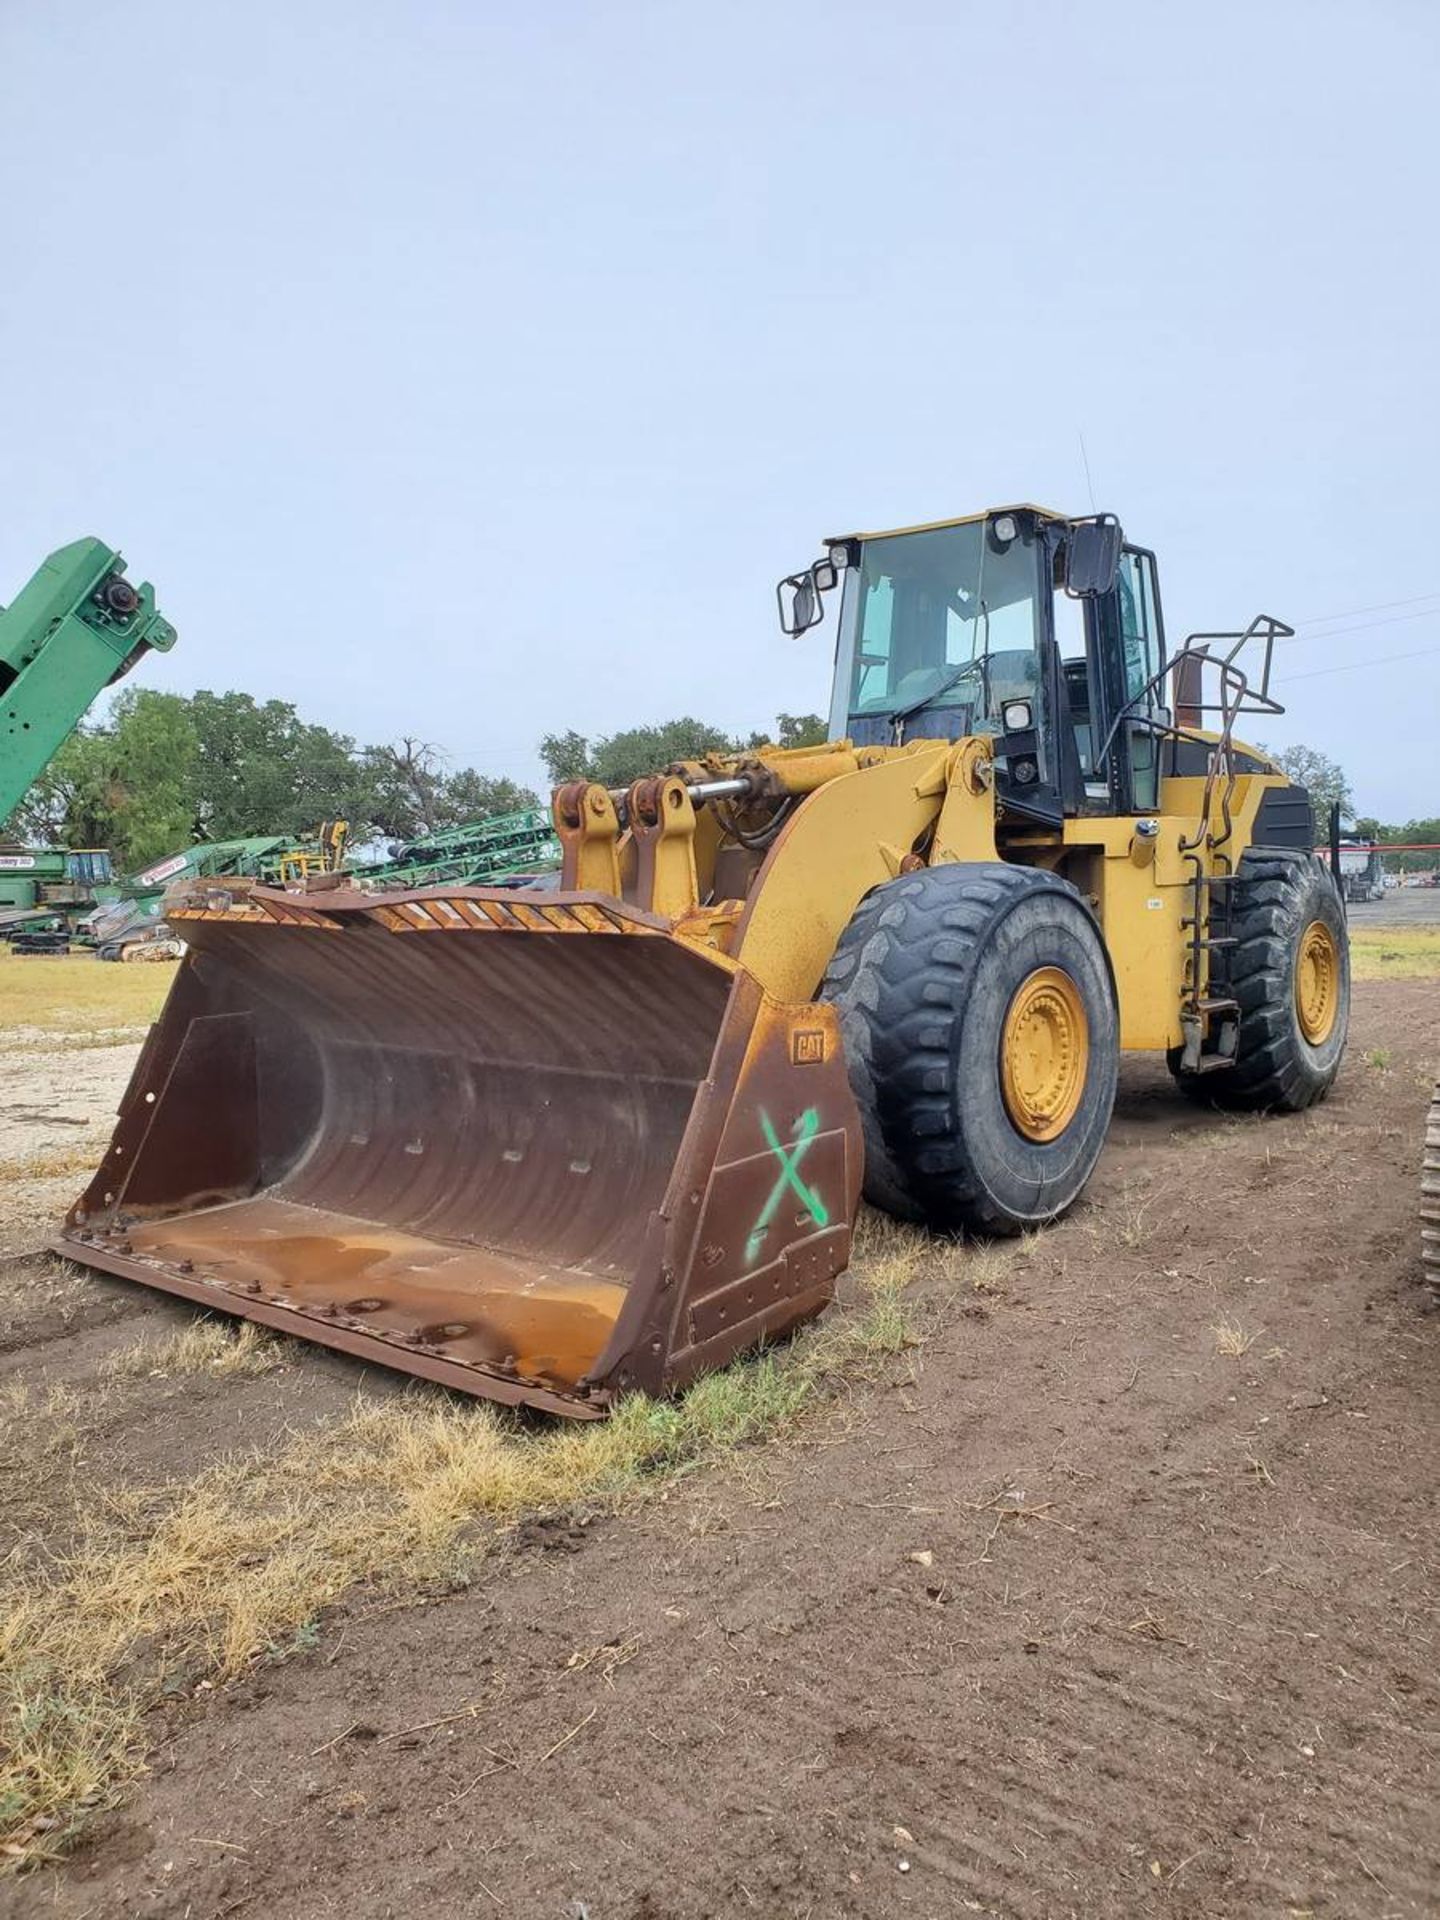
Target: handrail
column 1237, row 694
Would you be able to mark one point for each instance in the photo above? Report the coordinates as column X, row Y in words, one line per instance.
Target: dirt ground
column 70, row 1031
column 1115, row 1595
column 55, row 1119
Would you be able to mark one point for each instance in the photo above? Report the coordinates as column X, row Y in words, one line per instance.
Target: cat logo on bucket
column 807, row 1046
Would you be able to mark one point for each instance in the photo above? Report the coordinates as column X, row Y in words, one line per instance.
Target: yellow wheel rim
column 1044, row 1054
column 1317, row 982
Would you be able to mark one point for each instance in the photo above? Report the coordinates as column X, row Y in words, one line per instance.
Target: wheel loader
column 556, row 1146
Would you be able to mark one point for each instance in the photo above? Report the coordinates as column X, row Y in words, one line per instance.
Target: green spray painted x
column 789, row 1158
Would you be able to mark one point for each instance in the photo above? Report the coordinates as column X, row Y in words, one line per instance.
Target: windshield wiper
column 980, row 661
column 902, row 714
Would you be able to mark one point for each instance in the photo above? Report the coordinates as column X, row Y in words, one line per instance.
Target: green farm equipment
column 483, row 853
column 50, row 889
column 75, row 627
column 131, row 925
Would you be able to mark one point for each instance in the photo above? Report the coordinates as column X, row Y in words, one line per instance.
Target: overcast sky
column 473, row 370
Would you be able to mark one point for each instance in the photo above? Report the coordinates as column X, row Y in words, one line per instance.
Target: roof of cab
column 960, row 520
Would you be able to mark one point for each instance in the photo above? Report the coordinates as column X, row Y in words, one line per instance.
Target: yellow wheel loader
column 553, row 1146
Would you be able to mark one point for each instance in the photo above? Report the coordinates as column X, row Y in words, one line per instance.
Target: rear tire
column 982, row 1040
column 1290, row 972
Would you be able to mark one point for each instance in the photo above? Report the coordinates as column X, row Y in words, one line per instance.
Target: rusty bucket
column 533, row 1146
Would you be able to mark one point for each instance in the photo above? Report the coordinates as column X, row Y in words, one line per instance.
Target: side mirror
column 799, row 603
column 799, row 596
column 1092, row 556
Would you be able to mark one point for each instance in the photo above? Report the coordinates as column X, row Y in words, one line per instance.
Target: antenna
column 1090, row 484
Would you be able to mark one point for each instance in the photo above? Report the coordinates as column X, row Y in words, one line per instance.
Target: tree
column 262, row 769
column 1323, row 777
column 794, row 730
column 162, row 771
column 406, row 782
column 412, row 794
column 1424, row 833
column 154, row 756
column 470, row 795
column 127, row 784
column 70, row 804
column 615, row 759
column 618, row 758
column 566, row 756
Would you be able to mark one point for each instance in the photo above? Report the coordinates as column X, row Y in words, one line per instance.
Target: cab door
column 1129, row 638
column 1142, row 651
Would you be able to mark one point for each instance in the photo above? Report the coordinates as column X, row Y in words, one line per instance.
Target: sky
column 472, row 371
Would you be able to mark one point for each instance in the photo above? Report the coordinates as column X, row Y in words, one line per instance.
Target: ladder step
column 1214, row 1062
column 1215, row 1004
column 1223, row 940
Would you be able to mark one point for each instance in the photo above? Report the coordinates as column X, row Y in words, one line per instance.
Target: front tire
column 852, row 985
column 982, row 1039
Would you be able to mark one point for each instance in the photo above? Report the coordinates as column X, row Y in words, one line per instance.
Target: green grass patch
column 1395, row 953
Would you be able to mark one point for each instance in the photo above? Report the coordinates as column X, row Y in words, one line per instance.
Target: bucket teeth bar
column 538, row 1147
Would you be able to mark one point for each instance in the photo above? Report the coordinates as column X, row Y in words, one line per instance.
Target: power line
column 1363, row 626
column 1354, row 666
column 1380, row 606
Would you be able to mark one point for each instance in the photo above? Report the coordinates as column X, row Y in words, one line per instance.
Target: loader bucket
column 535, row 1147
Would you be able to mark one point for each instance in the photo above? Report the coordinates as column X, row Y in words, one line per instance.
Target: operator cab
column 1043, row 632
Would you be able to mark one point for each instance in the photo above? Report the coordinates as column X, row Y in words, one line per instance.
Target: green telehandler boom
column 77, row 625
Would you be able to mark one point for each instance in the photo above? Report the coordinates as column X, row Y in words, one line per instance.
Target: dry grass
column 38, row 1424
column 36, row 1040
column 987, row 1267
column 209, row 1346
column 29, row 1284
column 1395, row 953
column 198, row 1580
column 1231, row 1339
column 77, row 996
column 1131, row 1229
column 54, row 1163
